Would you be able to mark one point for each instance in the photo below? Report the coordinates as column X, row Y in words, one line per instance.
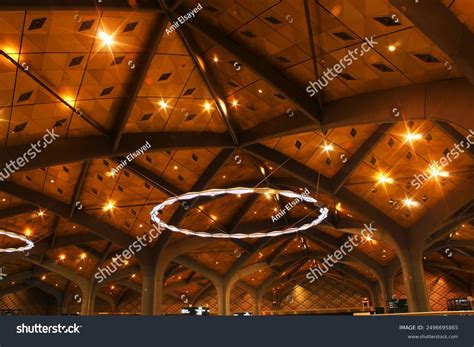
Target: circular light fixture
column 236, row 191
column 29, row 243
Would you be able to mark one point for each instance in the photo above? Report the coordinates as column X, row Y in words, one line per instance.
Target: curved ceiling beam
column 444, row 29
column 104, row 230
column 262, row 68
column 449, row 101
column 133, row 86
column 440, row 213
column 12, row 212
column 392, row 230
column 202, row 183
column 80, row 149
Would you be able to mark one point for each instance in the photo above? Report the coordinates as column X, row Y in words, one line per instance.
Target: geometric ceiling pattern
column 222, row 102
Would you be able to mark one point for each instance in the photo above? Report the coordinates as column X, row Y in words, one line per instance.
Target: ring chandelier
column 236, row 191
column 29, row 243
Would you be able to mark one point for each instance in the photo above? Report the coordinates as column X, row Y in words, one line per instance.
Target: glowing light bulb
column 392, row 48
column 83, row 256
column 384, row 179
column 107, row 39
column 62, row 257
column 207, row 106
column 235, row 103
column 163, row 104
column 328, row 147
column 216, row 59
column 109, row 206
column 413, row 137
column 28, row 232
column 410, row 202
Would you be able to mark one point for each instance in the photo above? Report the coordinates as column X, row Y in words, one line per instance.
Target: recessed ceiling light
column 384, row 179
column 410, row 202
column 328, row 147
column 216, row 59
column 392, row 48
column 260, row 91
column 207, row 106
column 163, row 104
column 52, row 181
column 175, row 167
column 413, row 137
column 436, row 171
column 109, row 206
column 107, row 39
column 235, row 103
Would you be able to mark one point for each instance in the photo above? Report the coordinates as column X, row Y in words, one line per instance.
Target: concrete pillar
column 148, row 289
column 159, row 278
column 88, row 300
column 414, row 278
column 223, row 300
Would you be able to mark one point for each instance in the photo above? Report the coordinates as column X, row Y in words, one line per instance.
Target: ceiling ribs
column 104, row 230
column 260, row 67
column 455, row 135
column 80, row 149
column 203, row 181
column 133, row 88
column 207, row 75
column 358, row 157
column 444, row 29
column 311, row 177
column 78, row 187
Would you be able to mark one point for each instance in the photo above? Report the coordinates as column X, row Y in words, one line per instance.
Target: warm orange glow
column 83, row 256
column 40, row 213
column 62, row 257
column 327, row 147
column 413, row 137
column 109, row 206
column 235, row 103
column 384, row 179
column 28, row 232
column 436, row 171
column 107, row 39
column 216, row 59
column 392, row 48
column 338, row 206
column 207, row 106
column 410, row 202
column 163, row 104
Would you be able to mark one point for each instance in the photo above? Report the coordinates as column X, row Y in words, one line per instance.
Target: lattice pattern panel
column 171, row 305
column 440, row 290
column 30, row 302
column 131, row 303
column 325, row 293
column 209, row 300
column 240, row 301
